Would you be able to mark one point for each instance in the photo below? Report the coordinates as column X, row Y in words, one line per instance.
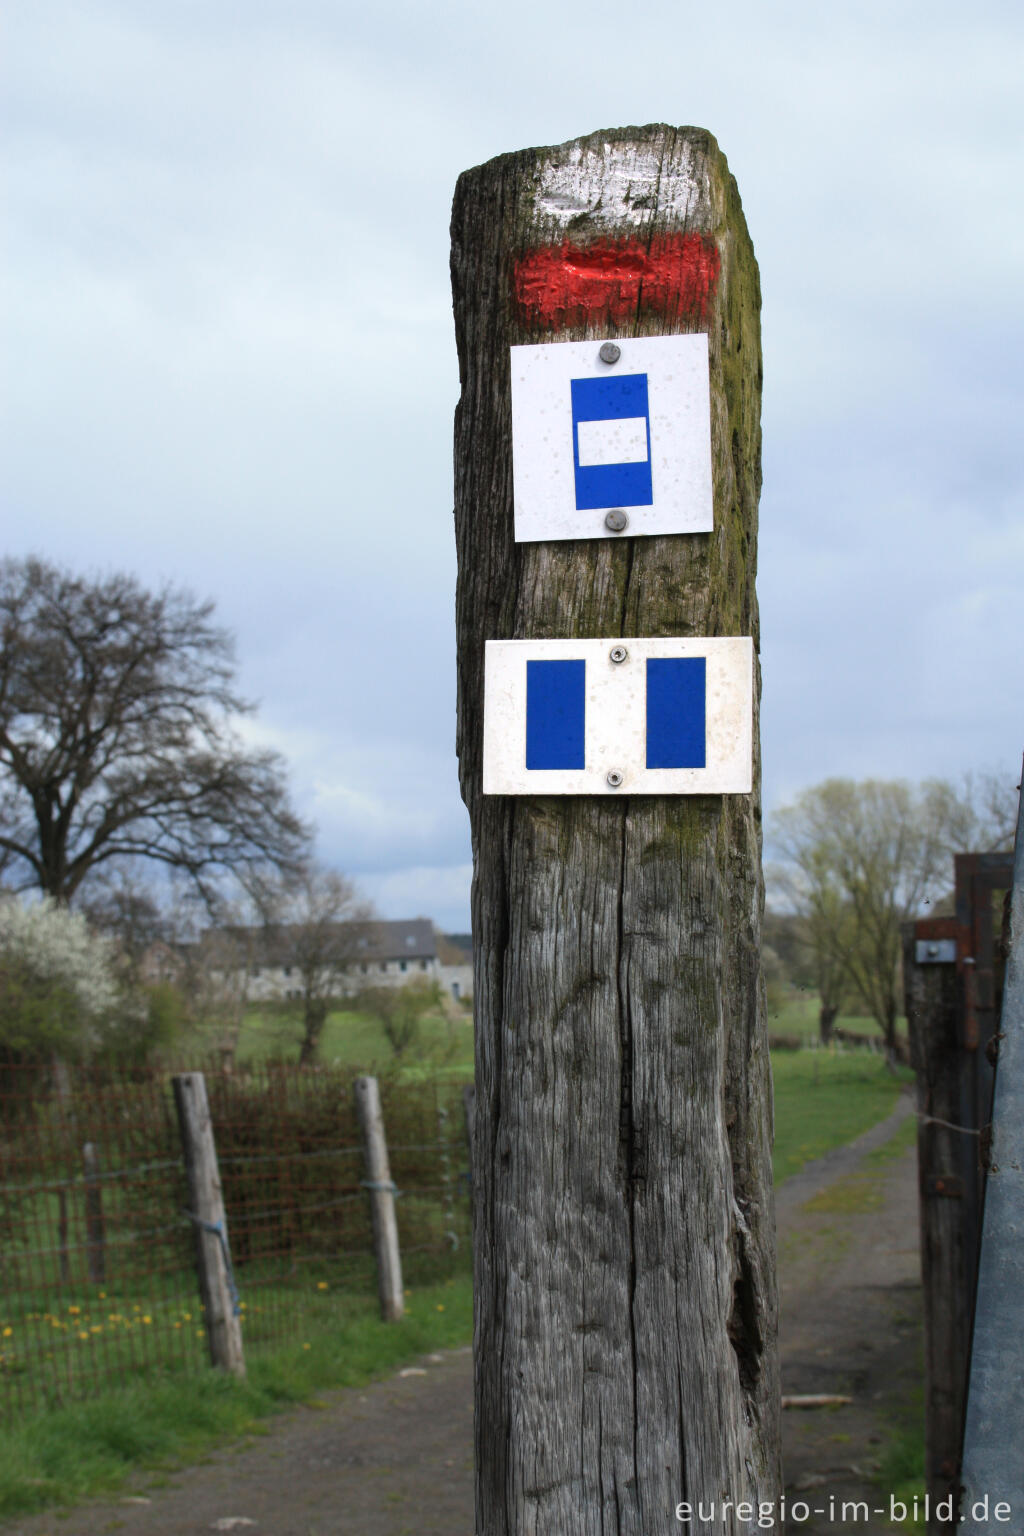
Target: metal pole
column 992, row 1472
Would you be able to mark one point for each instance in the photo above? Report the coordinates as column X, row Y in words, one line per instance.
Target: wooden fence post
column 206, row 1212
column 382, row 1200
column 947, row 1160
column 623, row 1213
column 94, row 1225
column 63, row 1257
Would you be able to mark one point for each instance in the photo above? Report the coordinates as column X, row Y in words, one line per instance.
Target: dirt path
column 396, row 1458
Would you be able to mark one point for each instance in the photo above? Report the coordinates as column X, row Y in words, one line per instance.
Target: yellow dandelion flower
column 103, row 1295
column 83, row 1335
column 187, row 1316
column 305, row 1346
column 146, row 1318
column 321, row 1285
column 8, row 1332
column 74, row 1311
column 440, row 1306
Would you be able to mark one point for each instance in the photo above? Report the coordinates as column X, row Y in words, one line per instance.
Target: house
column 455, row 956
column 277, row 958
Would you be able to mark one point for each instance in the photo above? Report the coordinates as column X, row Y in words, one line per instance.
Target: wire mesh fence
column 97, row 1249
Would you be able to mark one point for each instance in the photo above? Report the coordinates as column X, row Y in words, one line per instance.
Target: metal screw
column 618, row 653
column 614, row 778
column 616, row 520
column 609, row 352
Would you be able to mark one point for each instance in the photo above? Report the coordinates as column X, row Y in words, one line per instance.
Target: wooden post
column 206, row 1211
column 63, row 1259
column 95, row 1239
column 382, row 1200
column 947, row 1159
column 626, row 1307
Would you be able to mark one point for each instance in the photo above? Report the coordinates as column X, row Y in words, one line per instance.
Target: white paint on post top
column 589, row 437
column 618, row 717
column 621, row 184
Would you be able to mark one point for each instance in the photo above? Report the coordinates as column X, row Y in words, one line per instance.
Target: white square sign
column 627, row 440
column 618, row 717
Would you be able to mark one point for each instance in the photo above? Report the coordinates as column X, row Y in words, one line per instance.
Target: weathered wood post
column 947, row 1159
column 382, row 1199
column 95, row 1230
column 206, row 1212
column 623, row 1217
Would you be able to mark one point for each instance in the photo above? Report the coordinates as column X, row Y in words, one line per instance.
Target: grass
column 84, row 1449
column 824, row 1099
column 901, row 1475
column 356, row 1040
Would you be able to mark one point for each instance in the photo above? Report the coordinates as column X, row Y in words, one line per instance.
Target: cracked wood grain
column 624, row 1227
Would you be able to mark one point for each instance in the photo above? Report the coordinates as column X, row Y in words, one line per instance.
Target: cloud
column 234, row 361
column 441, row 893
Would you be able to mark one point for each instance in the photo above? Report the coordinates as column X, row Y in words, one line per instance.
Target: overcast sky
column 228, row 310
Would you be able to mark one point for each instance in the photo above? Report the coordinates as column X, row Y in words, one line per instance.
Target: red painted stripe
column 561, row 286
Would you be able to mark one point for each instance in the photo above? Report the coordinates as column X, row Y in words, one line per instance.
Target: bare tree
column 117, row 740
column 860, row 859
column 401, row 1010
column 312, row 922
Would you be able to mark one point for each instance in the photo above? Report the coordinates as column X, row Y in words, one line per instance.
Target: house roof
column 451, row 952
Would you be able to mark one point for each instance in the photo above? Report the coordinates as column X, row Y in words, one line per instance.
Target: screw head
column 614, row 778
column 618, row 653
column 609, row 352
column 616, row 520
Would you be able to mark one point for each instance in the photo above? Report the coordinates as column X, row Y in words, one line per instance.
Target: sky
column 230, row 361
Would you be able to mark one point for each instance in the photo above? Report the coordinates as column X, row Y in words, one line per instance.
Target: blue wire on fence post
column 217, row 1228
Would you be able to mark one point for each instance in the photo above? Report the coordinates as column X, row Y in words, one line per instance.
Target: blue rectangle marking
column 555, row 714
column 611, row 485
column 676, row 712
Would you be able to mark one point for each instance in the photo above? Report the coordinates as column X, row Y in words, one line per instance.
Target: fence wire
column 97, row 1274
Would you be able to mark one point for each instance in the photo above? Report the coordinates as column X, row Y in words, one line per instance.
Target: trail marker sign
column 631, row 435
column 625, row 717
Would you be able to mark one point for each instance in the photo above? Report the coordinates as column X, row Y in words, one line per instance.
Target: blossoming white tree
column 59, row 986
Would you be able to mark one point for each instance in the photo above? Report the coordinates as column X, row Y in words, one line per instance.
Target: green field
column 354, row 1040
column 825, row 1098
